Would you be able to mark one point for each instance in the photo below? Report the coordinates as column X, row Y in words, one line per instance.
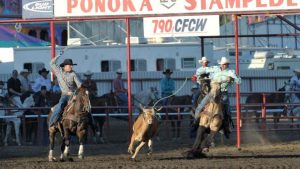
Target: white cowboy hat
column 88, row 73
column 119, row 71
column 24, row 71
column 224, row 60
column 203, row 59
column 296, row 70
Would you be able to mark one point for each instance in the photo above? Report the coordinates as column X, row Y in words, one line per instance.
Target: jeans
column 16, row 100
column 123, row 98
column 166, row 100
column 58, row 108
column 201, row 105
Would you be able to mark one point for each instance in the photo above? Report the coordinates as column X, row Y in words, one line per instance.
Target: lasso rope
column 171, row 94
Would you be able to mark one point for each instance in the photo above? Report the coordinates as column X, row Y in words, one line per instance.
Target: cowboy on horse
column 68, row 82
column 226, row 77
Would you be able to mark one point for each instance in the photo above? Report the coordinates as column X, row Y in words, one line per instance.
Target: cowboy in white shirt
column 42, row 81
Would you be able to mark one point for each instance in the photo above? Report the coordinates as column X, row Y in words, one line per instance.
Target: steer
column 144, row 129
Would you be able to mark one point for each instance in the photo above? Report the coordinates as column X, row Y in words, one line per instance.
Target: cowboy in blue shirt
column 167, row 86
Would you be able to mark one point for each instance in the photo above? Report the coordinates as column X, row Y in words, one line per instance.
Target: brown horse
column 75, row 120
column 184, row 100
column 108, row 99
column 272, row 98
column 210, row 121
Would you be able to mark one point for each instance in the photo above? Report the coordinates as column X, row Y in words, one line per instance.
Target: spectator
column 68, row 82
column 55, row 87
column 42, row 81
column 25, row 83
column 2, row 93
column 41, row 98
column 295, row 81
column 90, row 84
column 119, row 89
column 167, row 86
column 26, row 88
column 14, row 89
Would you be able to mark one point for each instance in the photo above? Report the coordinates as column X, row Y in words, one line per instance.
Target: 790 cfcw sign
column 182, row 26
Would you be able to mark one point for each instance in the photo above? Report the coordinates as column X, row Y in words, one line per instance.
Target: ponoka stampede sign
column 73, row 8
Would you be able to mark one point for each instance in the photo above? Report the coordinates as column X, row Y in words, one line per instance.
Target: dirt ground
column 263, row 150
column 167, row 154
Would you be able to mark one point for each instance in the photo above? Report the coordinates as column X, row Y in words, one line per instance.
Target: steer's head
column 148, row 115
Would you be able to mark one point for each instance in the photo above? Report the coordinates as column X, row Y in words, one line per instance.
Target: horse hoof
column 52, row 159
column 149, row 153
column 205, row 150
column 62, row 160
column 81, row 157
column 101, row 140
column 70, row 159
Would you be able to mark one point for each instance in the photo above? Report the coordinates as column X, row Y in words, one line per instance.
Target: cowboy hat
column 296, row 70
column 88, row 73
column 43, row 70
column 24, row 71
column 203, row 59
column 167, row 71
column 119, row 71
column 67, row 62
column 224, row 60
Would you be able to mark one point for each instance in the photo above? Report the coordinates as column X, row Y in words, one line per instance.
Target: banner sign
column 37, row 9
column 182, row 26
column 69, row 8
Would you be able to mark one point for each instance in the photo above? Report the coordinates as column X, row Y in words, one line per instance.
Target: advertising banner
column 37, row 9
column 69, row 8
column 182, row 26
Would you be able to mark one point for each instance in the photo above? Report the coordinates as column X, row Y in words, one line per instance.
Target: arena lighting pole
column 128, row 75
column 52, row 34
column 238, row 109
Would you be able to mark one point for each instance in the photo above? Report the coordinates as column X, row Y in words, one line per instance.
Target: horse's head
column 82, row 102
column 148, row 114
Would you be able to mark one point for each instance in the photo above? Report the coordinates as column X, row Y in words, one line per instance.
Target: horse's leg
column 65, row 146
column 100, row 129
column 8, row 132
column 52, row 133
column 81, row 133
column 138, row 149
column 173, row 127
column 199, row 138
column 17, row 124
column 178, row 128
column 150, row 146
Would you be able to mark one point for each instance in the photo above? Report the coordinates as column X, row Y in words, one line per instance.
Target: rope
column 171, row 94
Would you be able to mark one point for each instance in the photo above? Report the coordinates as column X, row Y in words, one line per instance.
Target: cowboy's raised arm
column 54, row 66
